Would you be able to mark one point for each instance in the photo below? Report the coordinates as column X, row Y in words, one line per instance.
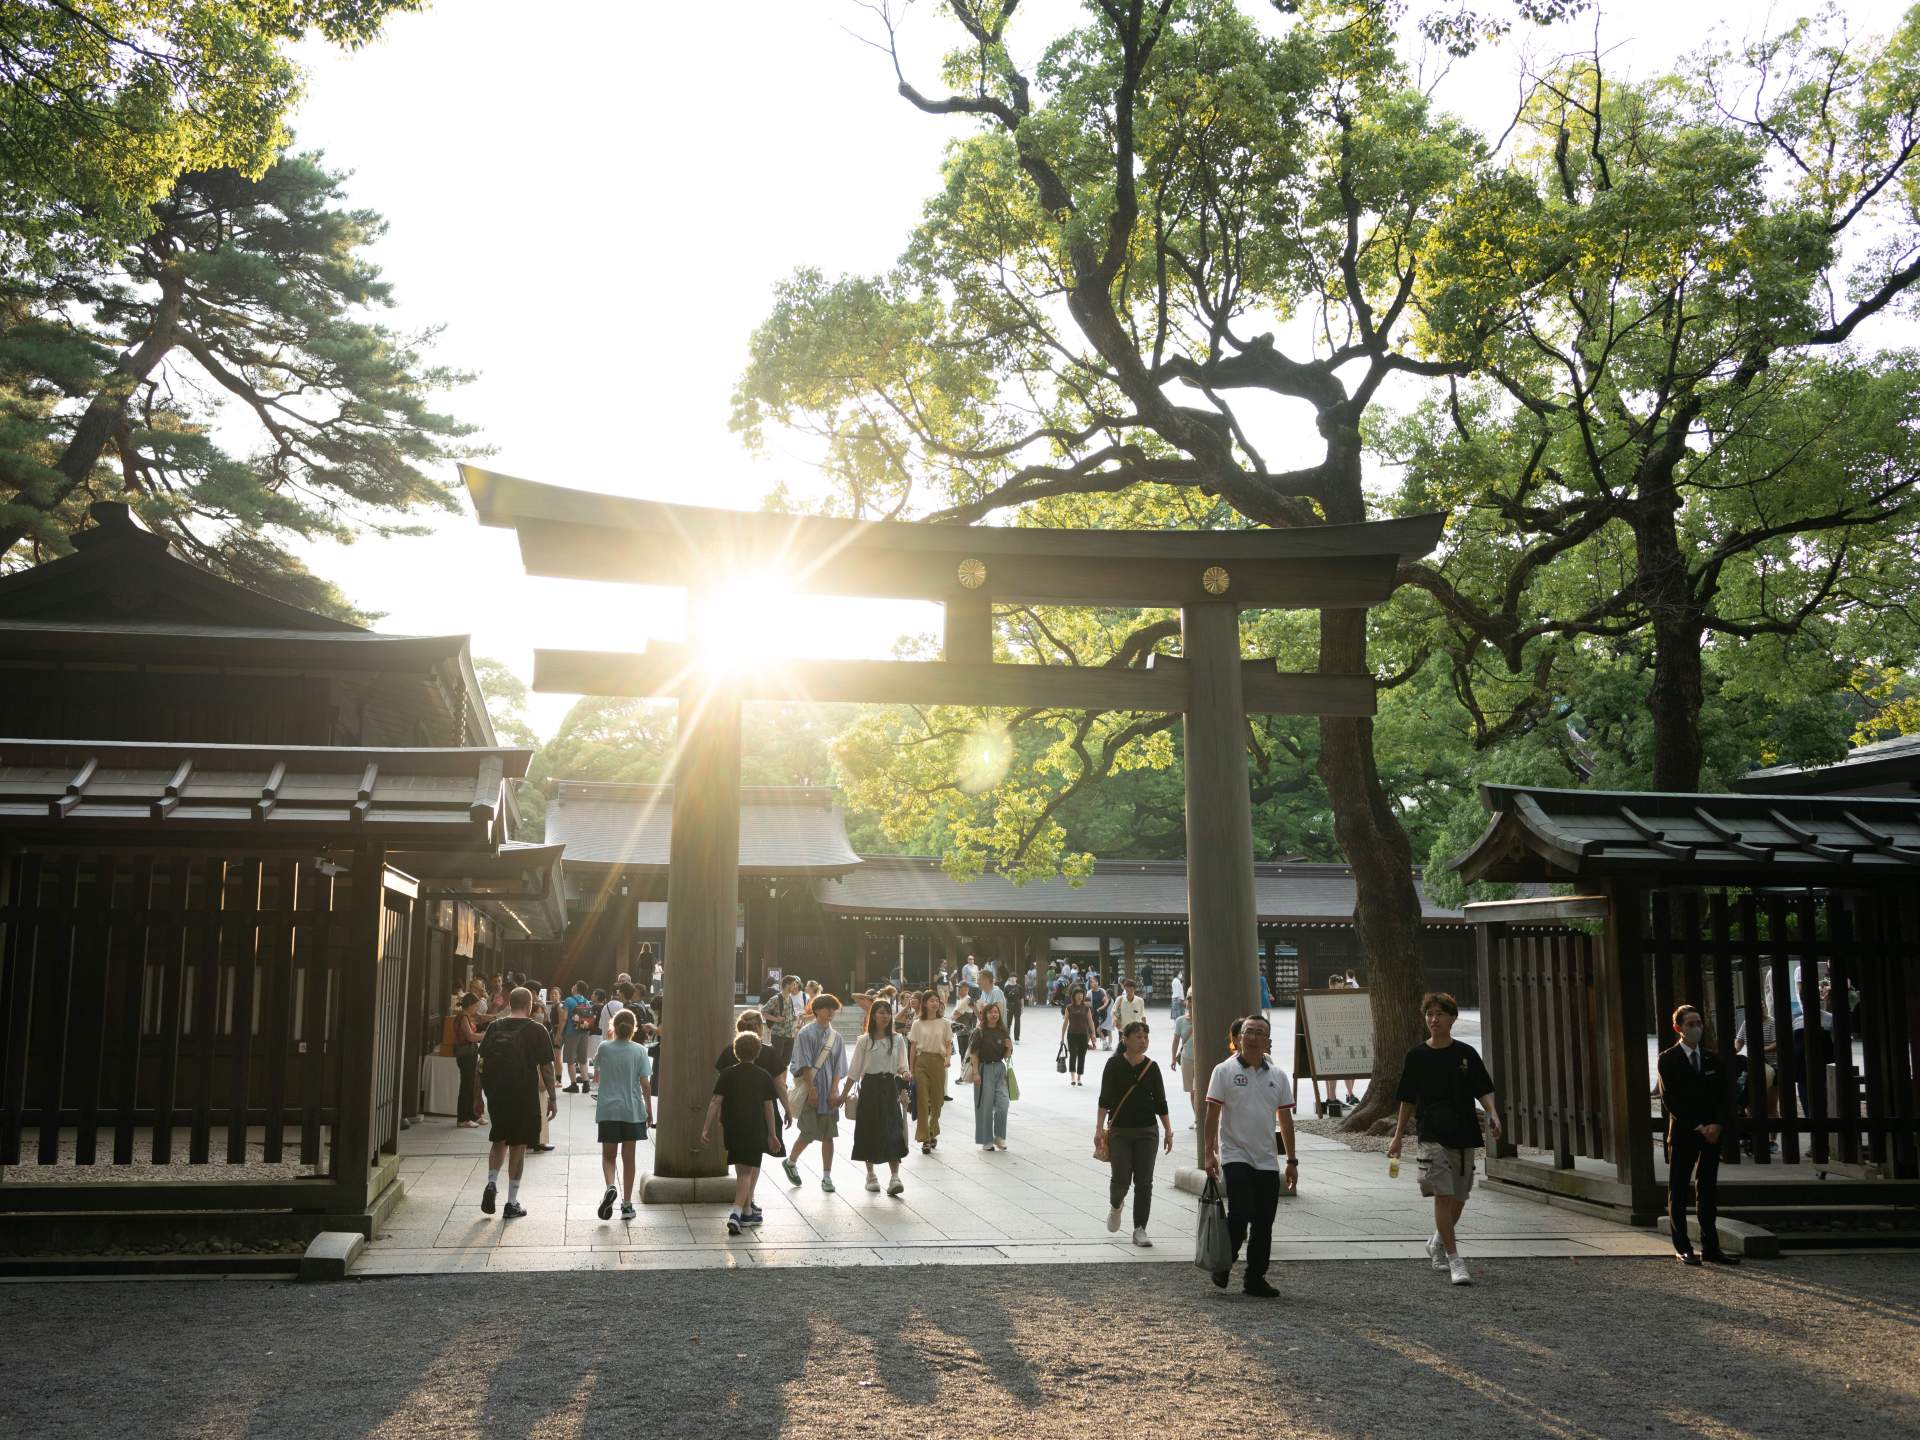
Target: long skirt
column 879, row 1125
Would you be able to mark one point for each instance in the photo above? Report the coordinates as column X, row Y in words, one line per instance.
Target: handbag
column 1013, row 1085
column 1060, row 1060
column 1212, row 1243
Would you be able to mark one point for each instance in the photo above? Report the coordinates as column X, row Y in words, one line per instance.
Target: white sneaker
column 826, row 1183
column 999, row 1144
column 1113, row 1221
column 1458, row 1265
column 894, row 1187
column 1436, row 1254
column 1140, row 1239
column 873, row 1182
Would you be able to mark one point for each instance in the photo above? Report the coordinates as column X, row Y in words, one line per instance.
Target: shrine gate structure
column 1208, row 576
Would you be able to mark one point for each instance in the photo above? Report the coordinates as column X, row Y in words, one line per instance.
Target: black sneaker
column 487, row 1197
column 606, row 1203
column 514, row 1210
column 1219, row 1278
column 1260, row 1290
column 571, row 1090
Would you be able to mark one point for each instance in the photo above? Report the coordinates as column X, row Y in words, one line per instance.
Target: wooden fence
column 160, row 1008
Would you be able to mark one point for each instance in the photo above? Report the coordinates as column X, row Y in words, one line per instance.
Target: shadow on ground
column 1582, row 1350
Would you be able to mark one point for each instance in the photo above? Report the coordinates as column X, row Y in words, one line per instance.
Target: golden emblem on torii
column 1214, row 580
column 973, row 573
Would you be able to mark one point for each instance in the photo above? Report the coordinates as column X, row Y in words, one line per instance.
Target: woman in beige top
column 932, row 1041
column 879, row 1065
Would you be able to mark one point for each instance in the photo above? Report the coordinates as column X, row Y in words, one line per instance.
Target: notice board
column 1336, row 1035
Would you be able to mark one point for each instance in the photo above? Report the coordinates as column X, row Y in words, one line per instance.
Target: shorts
column 573, row 1048
column 515, row 1116
column 1445, row 1172
column 615, row 1132
column 817, row 1126
column 593, row 1045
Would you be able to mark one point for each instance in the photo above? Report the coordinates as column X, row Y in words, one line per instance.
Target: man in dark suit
column 1695, row 1092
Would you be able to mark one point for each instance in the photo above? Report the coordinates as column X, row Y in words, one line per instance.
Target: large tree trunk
column 1386, row 912
column 105, row 412
column 1679, row 688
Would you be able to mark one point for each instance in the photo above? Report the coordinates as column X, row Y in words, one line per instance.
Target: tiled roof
column 1749, row 839
column 787, row 830
column 1119, row 891
column 271, row 795
column 1886, row 767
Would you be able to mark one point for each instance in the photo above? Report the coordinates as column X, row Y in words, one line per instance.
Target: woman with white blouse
column 878, row 1066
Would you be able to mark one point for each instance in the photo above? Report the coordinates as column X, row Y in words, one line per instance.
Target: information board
column 1336, row 1027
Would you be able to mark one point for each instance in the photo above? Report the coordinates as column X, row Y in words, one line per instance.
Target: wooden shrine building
column 1740, row 905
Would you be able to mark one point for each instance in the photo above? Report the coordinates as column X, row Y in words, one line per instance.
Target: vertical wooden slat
column 1520, row 1088
column 1723, row 1028
column 93, row 935
column 1797, row 944
column 316, row 962
column 246, row 958
column 277, row 1013
column 1599, row 1041
column 1902, row 971
column 1663, row 935
column 1623, row 987
column 1870, row 960
column 22, row 980
column 1565, row 1089
column 204, row 945
column 55, row 961
column 1539, row 1052
column 359, row 1026
column 1691, row 969
column 172, row 938
column 128, row 969
column 1840, row 932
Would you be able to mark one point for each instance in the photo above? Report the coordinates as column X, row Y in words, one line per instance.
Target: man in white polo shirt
column 1247, row 1098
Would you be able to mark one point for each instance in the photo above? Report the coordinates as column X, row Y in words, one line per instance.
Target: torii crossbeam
column 1209, row 576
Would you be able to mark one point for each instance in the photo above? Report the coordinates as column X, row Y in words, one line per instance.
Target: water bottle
column 1393, row 1167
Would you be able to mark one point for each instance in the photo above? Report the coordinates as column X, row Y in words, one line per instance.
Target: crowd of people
column 790, row 1070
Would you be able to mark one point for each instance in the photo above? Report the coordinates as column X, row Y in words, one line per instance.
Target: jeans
column 1076, row 1053
column 1252, row 1198
column 990, row 1103
column 1130, row 1153
column 1691, row 1152
column 930, row 1081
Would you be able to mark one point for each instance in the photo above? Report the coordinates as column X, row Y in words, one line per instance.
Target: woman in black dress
column 878, row 1067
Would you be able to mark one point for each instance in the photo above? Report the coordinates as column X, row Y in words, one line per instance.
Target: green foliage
column 249, row 313
column 105, row 104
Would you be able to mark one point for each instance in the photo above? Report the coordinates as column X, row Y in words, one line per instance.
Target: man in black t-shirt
column 516, row 1071
column 1439, row 1083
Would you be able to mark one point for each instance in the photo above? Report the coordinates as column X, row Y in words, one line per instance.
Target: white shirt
column 1126, row 1011
column 882, row 1057
column 970, row 974
column 1178, row 992
column 607, row 1012
column 1249, row 1097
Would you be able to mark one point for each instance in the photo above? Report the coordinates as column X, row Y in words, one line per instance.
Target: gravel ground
column 1579, row 1350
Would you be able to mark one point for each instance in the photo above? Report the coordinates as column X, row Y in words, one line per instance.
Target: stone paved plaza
column 1043, row 1201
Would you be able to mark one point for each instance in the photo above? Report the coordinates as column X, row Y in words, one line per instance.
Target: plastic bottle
column 1393, row 1167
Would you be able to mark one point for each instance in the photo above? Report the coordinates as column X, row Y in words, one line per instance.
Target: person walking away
column 1131, row 1006
column 743, row 1103
column 1183, row 1062
column 989, row 1052
column 1247, row 1097
column 818, row 1089
column 932, row 1040
column 1102, row 1004
column 1698, row 1109
column 1132, row 1097
column 1076, row 1030
column 624, row 1108
column 1439, row 1083
column 466, row 1054
column 577, row 1025
column 878, row 1066
column 1016, row 1005
column 964, row 1016
column 516, row 1068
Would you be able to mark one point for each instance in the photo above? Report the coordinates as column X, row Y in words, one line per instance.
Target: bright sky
column 596, row 200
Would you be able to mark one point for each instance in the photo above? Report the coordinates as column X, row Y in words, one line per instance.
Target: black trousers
column 1013, row 1019
column 1076, row 1053
column 1252, row 1198
column 467, row 1105
column 1690, row 1156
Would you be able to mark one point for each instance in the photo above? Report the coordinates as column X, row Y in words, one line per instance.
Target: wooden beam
column 663, row 671
column 1548, row 909
column 969, row 630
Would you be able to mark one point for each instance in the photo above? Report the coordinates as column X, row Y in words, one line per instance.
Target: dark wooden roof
column 1886, row 767
column 1539, row 834
column 589, row 535
column 785, row 830
column 271, row 796
column 120, row 570
column 521, row 885
column 172, row 642
column 1122, row 893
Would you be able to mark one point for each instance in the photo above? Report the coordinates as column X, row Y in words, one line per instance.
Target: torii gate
column 1209, row 576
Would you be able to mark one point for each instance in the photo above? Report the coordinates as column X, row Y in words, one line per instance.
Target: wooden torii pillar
column 1208, row 576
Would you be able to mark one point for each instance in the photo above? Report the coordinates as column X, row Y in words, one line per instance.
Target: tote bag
column 1212, row 1245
